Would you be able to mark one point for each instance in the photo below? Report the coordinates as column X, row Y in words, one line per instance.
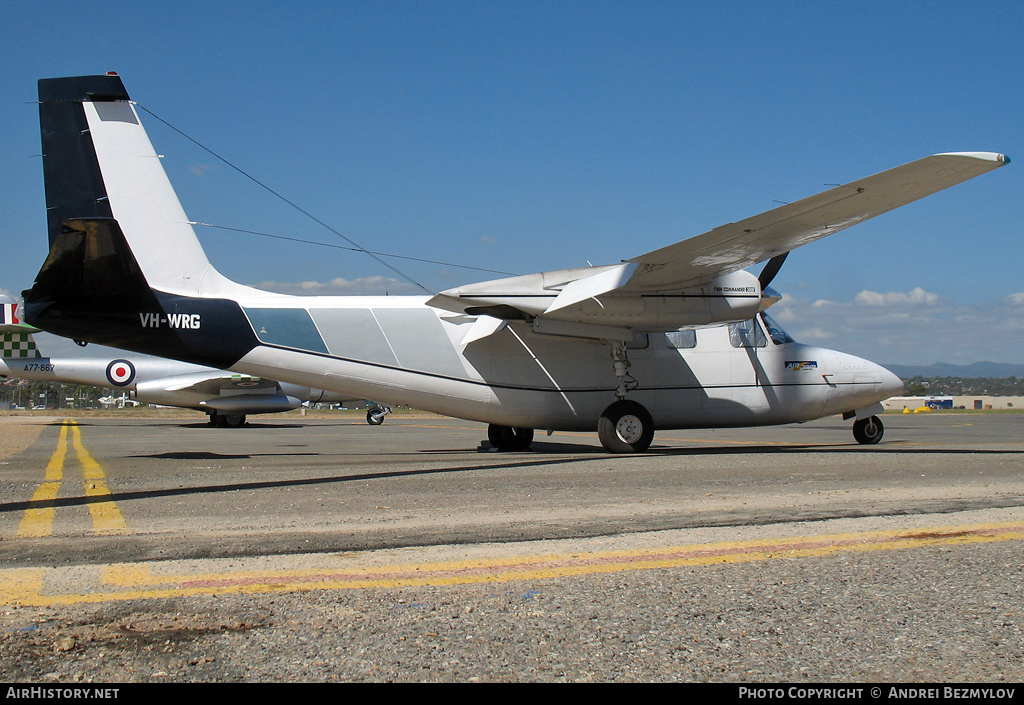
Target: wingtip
column 999, row 159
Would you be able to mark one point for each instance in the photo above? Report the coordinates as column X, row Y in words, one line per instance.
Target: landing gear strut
column 620, row 365
column 509, row 437
column 868, row 431
column 626, row 427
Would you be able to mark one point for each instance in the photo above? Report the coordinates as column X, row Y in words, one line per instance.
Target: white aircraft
column 227, row 397
column 675, row 338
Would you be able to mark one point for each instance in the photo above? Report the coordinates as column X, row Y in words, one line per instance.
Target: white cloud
column 913, row 327
column 813, row 335
column 339, row 286
column 917, row 296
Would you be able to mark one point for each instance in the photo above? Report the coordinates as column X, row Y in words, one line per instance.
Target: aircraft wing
column 215, row 383
column 699, row 281
column 740, row 245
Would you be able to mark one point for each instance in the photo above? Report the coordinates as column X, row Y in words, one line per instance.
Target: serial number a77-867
column 38, row 367
column 170, row 320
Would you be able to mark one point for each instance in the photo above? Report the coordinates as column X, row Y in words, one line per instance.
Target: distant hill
column 945, row 369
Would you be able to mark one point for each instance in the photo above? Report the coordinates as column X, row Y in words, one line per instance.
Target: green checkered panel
column 18, row 345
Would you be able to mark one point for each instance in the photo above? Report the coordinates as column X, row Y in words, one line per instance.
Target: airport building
column 953, row 402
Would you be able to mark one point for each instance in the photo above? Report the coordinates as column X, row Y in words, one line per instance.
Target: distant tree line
column 28, row 393
column 964, row 386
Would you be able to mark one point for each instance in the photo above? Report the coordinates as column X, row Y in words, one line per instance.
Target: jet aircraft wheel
column 868, row 431
column 509, row 437
column 626, row 427
column 375, row 416
column 231, row 420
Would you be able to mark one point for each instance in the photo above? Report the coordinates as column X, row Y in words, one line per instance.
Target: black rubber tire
column 868, row 431
column 375, row 417
column 626, row 427
column 509, row 437
column 231, row 420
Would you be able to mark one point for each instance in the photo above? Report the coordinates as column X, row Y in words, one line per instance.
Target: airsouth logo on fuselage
column 170, row 320
column 801, row 364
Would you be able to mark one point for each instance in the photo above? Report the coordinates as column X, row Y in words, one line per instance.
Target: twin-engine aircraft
column 226, row 397
column 674, row 338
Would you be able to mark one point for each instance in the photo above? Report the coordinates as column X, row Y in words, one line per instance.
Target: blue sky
column 525, row 136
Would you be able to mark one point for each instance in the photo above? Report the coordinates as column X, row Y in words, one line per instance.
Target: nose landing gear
column 868, row 431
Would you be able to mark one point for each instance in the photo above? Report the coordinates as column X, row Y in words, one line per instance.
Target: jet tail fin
column 9, row 319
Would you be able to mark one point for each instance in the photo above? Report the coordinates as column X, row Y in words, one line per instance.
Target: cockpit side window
column 747, row 334
column 775, row 331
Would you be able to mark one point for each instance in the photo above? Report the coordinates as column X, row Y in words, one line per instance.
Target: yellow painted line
column 106, row 517
column 38, row 521
column 337, row 572
column 22, row 585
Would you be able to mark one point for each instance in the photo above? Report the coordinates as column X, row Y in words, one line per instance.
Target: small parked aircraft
column 674, row 338
column 227, row 397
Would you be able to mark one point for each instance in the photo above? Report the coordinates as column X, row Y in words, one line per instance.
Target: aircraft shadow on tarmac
column 206, row 455
column 517, row 460
column 174, row 423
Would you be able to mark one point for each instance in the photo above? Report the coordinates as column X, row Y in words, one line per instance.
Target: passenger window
column 747, row 334
column 681, row 339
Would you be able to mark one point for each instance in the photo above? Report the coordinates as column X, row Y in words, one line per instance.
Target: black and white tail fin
column 98, row 163
column 122, row 251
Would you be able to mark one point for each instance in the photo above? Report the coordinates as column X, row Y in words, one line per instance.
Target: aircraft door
column 747, row 336
column 749, row 379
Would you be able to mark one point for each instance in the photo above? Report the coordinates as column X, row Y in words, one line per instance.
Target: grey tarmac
column 784, row 554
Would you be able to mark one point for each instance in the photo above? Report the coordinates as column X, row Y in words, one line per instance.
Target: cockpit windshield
column 775, row 331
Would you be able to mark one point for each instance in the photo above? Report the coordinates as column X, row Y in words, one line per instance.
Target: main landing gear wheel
column 868, row 431
column 509, row 437
column 227, row 420
column 375, row 417
column 625, row 427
